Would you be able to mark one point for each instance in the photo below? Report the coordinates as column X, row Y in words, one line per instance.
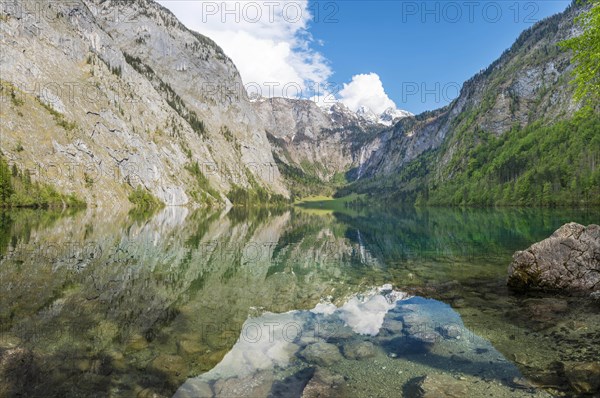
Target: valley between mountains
column 107, row 111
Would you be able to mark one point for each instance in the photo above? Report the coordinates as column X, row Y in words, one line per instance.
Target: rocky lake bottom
column 290, row 303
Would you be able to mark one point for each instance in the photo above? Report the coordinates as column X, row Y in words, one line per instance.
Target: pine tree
column 6, row 188
column 586, row 48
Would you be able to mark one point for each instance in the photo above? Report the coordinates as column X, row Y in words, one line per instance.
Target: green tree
column 586, row 49
column 547, row 194
column 6, row 188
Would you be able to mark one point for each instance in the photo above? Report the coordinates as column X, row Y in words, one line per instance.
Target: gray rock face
column 528, row 82
column 114, row 95
column 567, row 260
column 328, row 141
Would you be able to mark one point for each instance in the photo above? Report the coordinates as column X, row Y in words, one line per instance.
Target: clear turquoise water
column 104, row 304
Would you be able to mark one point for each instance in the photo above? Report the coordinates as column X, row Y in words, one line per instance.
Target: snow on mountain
column 364, row 115
column 390, row 115
column 367, row 115
column 387, row 118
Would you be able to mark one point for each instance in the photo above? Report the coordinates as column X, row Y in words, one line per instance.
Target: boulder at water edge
column 569, row 260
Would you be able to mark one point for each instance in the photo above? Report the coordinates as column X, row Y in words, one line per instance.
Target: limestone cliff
column 99, row 97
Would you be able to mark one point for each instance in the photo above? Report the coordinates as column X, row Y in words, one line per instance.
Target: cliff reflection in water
column 102, row 304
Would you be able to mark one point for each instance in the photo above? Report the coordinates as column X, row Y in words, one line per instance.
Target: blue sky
column 411, row 51
column 413, row 55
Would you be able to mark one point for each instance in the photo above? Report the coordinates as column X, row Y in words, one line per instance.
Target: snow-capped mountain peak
column 387, row 118
column 390, row 115
column 364, row 115
column 367, row 115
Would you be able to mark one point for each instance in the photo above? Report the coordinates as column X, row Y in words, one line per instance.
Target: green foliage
column 227, row 134
column 256, row 196
column 18, row 190
column 556, row 165
column 16, row 101
column 186, row 149
column 242, row 197
column 6, row 188
column 339, row 179
column 586, row 49
column 300, row 183
column 205, row 194
column 231, row 138
column 144, row 202
column 400, row 188
column 196, row 124
column 59, row 118
column 539, row 165
column 89, row 181
column 117, row 71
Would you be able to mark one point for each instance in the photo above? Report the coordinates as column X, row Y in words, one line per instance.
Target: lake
column 283, row 302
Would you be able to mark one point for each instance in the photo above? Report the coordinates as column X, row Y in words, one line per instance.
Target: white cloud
column 366, row 90
column 267, row 40
column 270, row 44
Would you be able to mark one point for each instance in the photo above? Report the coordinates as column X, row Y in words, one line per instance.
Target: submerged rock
column 256, row 385
column 172, row 366
column 324, row 383
column 197, row 389
column 567, row 260
column 359, row 350
column 440, row 386
column 427, row 336
column 393, row 326
column 322, row 354
column 584, row 377
column 450, row 331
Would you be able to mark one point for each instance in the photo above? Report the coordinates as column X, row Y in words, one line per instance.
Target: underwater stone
column 323, row 354
column 359, row 350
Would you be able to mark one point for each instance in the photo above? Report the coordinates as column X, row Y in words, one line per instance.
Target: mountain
column 367, row 115
column 105, row 96
column 486, row 146
column 392, row 115
column 387, row 118
column 321, row 148
column 530, row 81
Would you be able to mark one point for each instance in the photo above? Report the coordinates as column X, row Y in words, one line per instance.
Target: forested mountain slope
column 510, row 138
column 105, row 98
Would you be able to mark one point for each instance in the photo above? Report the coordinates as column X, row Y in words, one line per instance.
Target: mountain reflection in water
column 380, row 331
column 108, row 304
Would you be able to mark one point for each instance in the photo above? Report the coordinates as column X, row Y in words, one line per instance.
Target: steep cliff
column 102, row 96
column 99, row 97
column 519, row 95
column 529, row 82
column 328, row 146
